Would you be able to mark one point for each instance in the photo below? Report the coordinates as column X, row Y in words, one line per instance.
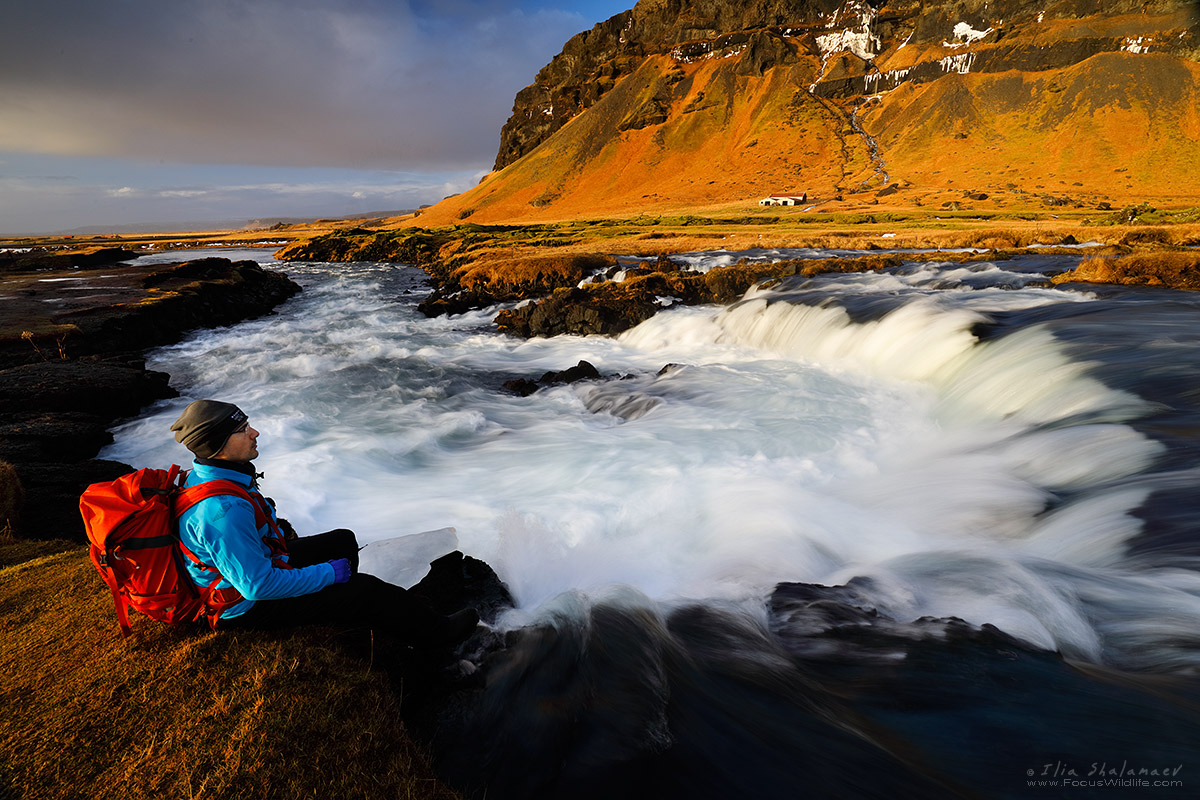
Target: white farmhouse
column 784, row 200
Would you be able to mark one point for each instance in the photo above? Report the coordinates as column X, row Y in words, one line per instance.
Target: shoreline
column 50, row 416
column 72, row 365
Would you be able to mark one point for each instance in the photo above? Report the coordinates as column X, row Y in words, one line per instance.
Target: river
column 952, row 441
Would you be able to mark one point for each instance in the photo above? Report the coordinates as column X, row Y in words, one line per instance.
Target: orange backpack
column 132, row 527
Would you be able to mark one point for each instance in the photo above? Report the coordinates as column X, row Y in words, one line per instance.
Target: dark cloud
column 350, row 83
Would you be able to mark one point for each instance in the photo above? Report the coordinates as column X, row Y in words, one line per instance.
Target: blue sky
column 144, row 111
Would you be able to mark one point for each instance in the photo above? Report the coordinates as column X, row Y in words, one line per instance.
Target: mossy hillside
column 694, row 133
column 1118, row 127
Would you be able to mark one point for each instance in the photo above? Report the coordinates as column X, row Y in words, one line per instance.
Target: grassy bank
column 181, row 712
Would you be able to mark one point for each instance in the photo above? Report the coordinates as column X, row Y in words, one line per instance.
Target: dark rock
column 456, row 581
column 51, row 509
column 106, row 390
column 665, row 264
column 888, row 190
column 38, row 260
column 521, row 386
column 579, row 312
column 438, row 304
column 62, row 389
column 66, row 436
column 581, row 371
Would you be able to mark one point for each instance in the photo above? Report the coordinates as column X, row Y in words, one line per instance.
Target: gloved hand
column 341, row 570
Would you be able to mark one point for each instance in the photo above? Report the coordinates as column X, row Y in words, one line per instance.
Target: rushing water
column 957, row 440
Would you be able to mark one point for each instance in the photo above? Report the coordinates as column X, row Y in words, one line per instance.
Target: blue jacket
column 220, row 531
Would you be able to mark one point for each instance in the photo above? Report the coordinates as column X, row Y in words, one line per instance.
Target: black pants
column 362, row 602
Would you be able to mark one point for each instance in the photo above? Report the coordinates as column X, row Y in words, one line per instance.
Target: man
column 252, row 576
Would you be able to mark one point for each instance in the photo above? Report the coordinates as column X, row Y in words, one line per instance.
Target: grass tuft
column 1175, row 270
column 12, row 496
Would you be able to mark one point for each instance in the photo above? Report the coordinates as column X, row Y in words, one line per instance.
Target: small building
column 784, row 199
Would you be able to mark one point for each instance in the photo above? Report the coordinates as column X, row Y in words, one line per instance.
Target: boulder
column 68, row 374
column 581, row 371
column 103, row 389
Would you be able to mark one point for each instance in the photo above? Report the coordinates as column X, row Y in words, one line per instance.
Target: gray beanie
column 206, row 425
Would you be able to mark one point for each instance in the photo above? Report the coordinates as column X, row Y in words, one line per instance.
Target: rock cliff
column 696, row 102
column 71, row 365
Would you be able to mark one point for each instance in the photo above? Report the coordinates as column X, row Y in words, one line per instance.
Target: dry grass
column 537, row 272
column 181, row 712
column 1175, row 270
column 12, row 495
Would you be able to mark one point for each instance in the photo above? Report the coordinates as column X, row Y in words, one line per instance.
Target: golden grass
column 1175, row 270
column 12, row 495
column 506, row 269
column 179, row 711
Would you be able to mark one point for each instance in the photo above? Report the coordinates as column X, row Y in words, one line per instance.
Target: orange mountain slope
column 1075, row 105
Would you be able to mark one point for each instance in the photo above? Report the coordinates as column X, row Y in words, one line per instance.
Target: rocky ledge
column 71, row 365
column 1170, row 270
column 636, row 293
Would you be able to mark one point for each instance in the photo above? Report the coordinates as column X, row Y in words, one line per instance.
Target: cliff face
column 709, row 101
column 592, row 62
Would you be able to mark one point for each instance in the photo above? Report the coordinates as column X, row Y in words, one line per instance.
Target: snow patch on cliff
column 966, row 35
column 856, row 38
column 960, row 63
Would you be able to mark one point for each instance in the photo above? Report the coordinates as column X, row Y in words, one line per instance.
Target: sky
column 158, row 112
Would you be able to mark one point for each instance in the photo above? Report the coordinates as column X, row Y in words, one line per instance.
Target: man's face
column 241, row 446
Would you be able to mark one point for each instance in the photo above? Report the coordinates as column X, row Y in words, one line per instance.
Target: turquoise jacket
column 220, row 531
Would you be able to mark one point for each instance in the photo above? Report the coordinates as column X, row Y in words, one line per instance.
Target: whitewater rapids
column 948, row 431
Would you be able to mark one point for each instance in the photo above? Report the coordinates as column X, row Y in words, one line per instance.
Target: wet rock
column 39, row 260
column 68, row 436
column 521, row 386
column 576, row 311
column 71, row 369
column 105, row 390
column 457, row 581
column 582, row 371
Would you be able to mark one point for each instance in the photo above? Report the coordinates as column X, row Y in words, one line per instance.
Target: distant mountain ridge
column 708, row 101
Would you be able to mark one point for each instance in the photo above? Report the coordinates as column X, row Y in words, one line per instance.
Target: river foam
column 817, row 431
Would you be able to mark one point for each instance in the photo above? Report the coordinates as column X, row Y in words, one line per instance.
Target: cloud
column 195, row 193
column 346, row 83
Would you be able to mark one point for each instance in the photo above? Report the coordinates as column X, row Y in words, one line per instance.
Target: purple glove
column 341, row 570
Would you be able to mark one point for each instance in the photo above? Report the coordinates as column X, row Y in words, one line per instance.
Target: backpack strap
column 120, row 602
column 275, row 540
column 202, row 491
column 217, row 600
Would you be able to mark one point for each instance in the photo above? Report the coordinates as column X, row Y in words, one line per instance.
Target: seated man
column 252, row 576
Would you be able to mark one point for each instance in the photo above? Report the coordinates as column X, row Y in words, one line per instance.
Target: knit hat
column 206, row 425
